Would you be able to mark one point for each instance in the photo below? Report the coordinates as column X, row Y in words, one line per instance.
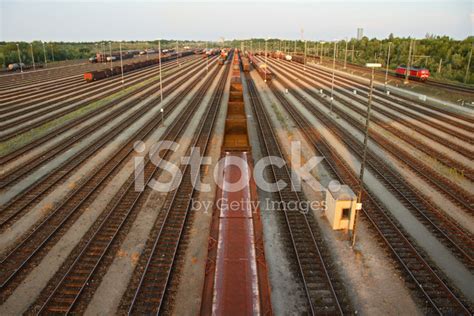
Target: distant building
column 360, row 33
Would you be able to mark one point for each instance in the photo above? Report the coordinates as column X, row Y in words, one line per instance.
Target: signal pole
column 44, row 54
column 388, row 63
column 266, row 65
column 345, row 55
column 322, row 53
column 468, row 65
column 304, row 65
column 19, row 57
column 110, row 51
column 177, row 54
column 121, row 61
column 366, row 137
column 33, row 57
column 407, row 73
column 207, row 60
column 161, row 81
column 333, row 70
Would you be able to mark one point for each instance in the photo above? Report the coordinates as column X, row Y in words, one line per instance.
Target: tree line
column 446, row 58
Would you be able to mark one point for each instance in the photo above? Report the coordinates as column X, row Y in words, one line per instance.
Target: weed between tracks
column 35, row 133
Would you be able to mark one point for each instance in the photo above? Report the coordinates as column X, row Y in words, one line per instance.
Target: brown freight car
column 235, row 135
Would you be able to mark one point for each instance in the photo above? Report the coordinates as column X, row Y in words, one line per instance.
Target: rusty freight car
column 236, row 137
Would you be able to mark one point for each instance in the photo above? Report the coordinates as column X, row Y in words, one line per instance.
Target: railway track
column 46, row 87
column 406, row 105
column 33, row 96
column 324, row 292
column 434, row 291
column 20, row 81
column 68, row 290
column 445, row 229
column 446, row 141
column 41, row 117
column 14, row 174
column 18, row 205
column 456, row 194
column 19, row 151
column 60, row 92
column 151, row 290
column 60, row 219
column 444, row 85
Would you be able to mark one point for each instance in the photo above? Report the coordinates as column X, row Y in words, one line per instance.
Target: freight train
column 17, row 67
column 235, row 136
column 261, row 68
column 421, row 74
column 223, row 57
column 117, row 70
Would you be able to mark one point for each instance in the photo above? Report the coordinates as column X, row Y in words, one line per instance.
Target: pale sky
column 85, row 20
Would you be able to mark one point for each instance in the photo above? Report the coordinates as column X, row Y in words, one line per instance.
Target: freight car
column 236, row 135
column 415, row 73
column 261, row 68
column 16, row 66
column 223, row 57
column 117, row 70
column 297, row 58
column 245, row 64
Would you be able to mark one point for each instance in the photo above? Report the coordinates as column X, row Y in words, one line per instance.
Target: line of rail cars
column 117, row 70
column 223, row 56
column 261, row 68
column 236, row 136
column 22, row 66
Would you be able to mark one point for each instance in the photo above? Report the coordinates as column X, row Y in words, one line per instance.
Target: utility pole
column 364, row 155
column 295, row 48
column 468, row 65
column 439, row 66
column 345, row 56
column 352, row 54
column 266, row 65
column 121, row 61
column 44, row 54
column 333, row 70
column 304, row 65
column 207, row 60
column 52, row 51
column 388, row 63
column 177, row 54
column 110, row 51
column 33, row 57
column 19, row 56
column 407, row 73
column 161, row 81
column 322, row 53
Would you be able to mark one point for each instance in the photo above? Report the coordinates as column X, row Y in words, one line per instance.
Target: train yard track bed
column 23, row 138
column 368, row 265
column 444, row 91
column 421, row 234
column 80, row 235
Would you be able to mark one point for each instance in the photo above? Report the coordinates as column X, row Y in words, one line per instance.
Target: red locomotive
column 415, row 73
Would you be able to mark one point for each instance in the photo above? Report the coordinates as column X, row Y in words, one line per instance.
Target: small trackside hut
column 341, row 203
